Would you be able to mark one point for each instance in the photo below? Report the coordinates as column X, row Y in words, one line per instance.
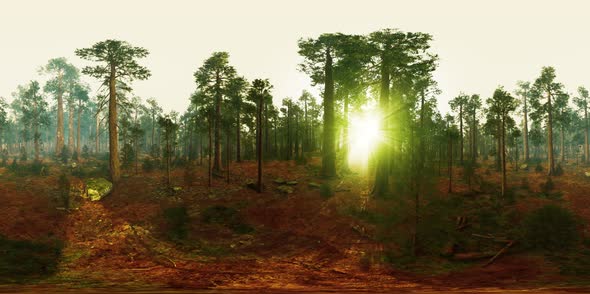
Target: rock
column 587, row 174
column 177, row 188
column 280, row 181
column 98, row 188
column 524, row 166
column 285, row 189
column 314, row 185
column 291, row 183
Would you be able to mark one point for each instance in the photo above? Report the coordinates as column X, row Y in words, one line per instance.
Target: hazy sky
column 481, row 44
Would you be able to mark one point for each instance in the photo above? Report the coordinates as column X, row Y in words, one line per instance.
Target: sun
column 363, row 137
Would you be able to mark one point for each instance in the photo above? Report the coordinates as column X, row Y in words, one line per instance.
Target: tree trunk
column 562, row 147
column 503, row 154
column 586, row 149
column 450, row 162
column 217, row 159
column 209, row 170
column 71, row 124
column 97, row 142
column 526, row 130
column 238, row 143
column 345, row 134
column 259, row 142
column 59, row 140
column 113, row 138
column 550, row 158
column 382, row 173
column 461, row 132
column 329, row 148
column 78, row 131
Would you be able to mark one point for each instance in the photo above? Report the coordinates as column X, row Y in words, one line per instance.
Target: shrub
column 326, row 190
column 547, row 186
column 85, row 152
column 75, row 156
column 38, row 168
column 149, row 165
column 177, row 221
column 23, row 154
column 190, row 174
column 13, row 166
column 227, row 216
column 64, row 155
column 551, row 227
column 558, row 170
column 539, row 168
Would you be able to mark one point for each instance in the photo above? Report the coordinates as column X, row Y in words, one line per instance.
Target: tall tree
column 524, row 91
column 236, row 89
column 544, row 91
column 472, row 106
column 458, row 104
column 3, row 120
column 258, row 92
column 63, row 74
column 212, row 78
column 34, row 109
column 501, row 105
column 321, row 56
column 581, row 102
column 117, row 62
column 169, row 128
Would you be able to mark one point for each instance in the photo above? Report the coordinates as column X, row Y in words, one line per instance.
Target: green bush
column 539, row 168
column 551, row 227
column 25, row 260
column 547, row 186
column 149, row 165
column 38, row 168
column 326, row 190
column 64, row 155
column 177, row 221
column 558, row 170
column 227, row 216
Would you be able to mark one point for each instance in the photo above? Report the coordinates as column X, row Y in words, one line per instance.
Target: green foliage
column 149, row 164
column 547, row 186
column 227, row 216
column 75, row 155
column 558, row 170
column 23, row 154
column 128, row 155
column 26, row 260
column 38, row 168
column 64, row 155
column 85, row 152
column 326, row 190
column 551, row 227
column 177, row 222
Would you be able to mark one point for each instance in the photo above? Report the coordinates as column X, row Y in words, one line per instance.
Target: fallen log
column 471, row 256
column 499, row 253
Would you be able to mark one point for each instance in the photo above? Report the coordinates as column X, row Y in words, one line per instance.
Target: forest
column 360, row 183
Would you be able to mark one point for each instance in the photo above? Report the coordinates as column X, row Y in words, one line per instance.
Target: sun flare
column 363, row 137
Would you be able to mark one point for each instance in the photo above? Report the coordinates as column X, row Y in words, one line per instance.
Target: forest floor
column 229, row 237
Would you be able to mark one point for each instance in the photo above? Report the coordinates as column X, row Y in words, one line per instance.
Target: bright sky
column 481, row 44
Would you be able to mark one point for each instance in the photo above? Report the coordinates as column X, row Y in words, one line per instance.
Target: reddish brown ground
column 301, row 241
